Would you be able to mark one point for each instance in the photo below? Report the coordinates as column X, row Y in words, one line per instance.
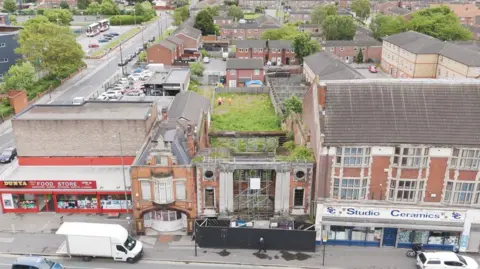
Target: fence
column 252, row 90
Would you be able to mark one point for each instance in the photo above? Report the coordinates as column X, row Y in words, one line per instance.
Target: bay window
column 163, row 191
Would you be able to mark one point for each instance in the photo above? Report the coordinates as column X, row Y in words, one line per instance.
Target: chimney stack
column 190, row 141
column 322, row 94
column 164, row 113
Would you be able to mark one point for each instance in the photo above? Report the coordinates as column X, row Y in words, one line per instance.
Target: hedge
column 128, row 19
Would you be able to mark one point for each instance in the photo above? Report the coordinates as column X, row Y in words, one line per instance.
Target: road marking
column 6, row 240
column 6, row 144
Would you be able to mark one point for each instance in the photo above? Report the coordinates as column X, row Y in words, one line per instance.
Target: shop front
column 398, row 226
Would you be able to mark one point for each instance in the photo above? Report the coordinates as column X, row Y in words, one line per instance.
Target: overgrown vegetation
column 296, row 153
column 292, row 105
column 247, row 112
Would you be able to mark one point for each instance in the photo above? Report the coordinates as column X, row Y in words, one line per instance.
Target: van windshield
column 422, row 258
column 461, row 259
column 130, row 243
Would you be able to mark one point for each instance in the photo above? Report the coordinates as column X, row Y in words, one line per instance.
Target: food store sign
column 48, row 184
column 393, row 213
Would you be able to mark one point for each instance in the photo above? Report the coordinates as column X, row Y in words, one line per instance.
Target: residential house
column 299, row 15
column 398, row 11
column 251, row 49
column 163, row 52
column 281, row 52
column 304, row 4
column 8, row 44
column 223, row 20
column 240, row 71
column 243, row 31
column 401, row 154
column 466, row 12
column 258, row 3
column 326, row 66
column 349, row 50
column 415, row 55
column 278, row 52
column 314, row 29
column 191, row 37
column 178, row 43
column 385, row 6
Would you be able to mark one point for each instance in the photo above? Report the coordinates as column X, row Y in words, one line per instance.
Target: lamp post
column 134, row 18
column 159, row 28
column 123, row 170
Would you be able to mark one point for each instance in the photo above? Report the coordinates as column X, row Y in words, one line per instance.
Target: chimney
column 190, row 141
column 164, row 113
column 322, row 94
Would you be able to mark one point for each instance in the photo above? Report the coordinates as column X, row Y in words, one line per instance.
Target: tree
column 319, row 13
column 196, row 69
column 181, row 3
column 94, row 8
column 59, row 16
column 108, row 7
column 338, row 28
column 204, row 22
column 235, row 12
column 64, row 5
column 10, row 5
column 383, row 25
column 54, row 47
column 213, row 10
column 359, row 58
column 304, row 46
column 139, row 9
column 286, row 32
column 361, row 8
column 292, row 105
column 180, row 15
column 20, row 77
column 82, row 4
column 148, row 9
column 439, row 22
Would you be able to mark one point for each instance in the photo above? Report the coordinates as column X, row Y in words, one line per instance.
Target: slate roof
column 188, row 105
column 418, row 43
column 175, row 40
column 280, row 44
column 244, row 63
column 389, row 112
column 250, row 43
column 190, row 31
column 471, row 45
column 399, row 11
column 168, row 45
column 329, row 67
column 359, row 40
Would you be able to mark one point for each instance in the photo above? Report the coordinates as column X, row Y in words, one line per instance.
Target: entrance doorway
column 389, row 237
column 45, row 203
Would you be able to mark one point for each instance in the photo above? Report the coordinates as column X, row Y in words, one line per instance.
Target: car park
column 103, row 40
column 114, row 33
column 443, row 259
column 135, row 93
column 102, row 97
column 8, row 155
column 111, row 94
column 93, row 45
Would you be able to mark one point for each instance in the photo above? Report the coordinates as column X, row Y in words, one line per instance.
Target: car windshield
column 461, row 259
column 130, row 243
column 49, row 263
column 7, row 153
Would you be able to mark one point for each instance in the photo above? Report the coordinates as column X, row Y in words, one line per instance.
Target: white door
column 279, row 61
column 232, row 83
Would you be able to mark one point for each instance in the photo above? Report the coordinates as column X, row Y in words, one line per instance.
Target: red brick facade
column 236, row 78
column 159, row 54
column 350, row 53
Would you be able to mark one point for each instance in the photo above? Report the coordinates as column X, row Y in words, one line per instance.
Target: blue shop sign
column 394, row 213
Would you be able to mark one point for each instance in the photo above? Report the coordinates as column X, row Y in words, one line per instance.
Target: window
column 332, row 49
column 4, row 60
column 115, row 201
column 3, row 45
column 465, row 158
column 77, row 201
column 163, row 192
column 209, row 198
column 146, row 190
column 233, row 72
column 432, row 261
column 256, row 72
column 405, row 190
column 453, row 264
column 411, row 157
column 355, row 48
column 459, row 193
column 180, row 190
column 121, row 249
column 298, row 197
column 341, row 48
column 260, row 50
column 349, row 188
column 353, row 156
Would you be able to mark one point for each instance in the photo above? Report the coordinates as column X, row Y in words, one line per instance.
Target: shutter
column 146, row 190
column 180, row 191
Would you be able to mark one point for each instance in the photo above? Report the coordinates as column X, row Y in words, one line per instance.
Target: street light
column 123, row 170
column 134, row 18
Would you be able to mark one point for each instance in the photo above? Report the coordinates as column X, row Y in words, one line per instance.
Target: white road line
column 5, row 145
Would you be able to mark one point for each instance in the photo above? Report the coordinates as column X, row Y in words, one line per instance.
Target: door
column 232, row 83
column 45, row 203
column 120, row 253
column 389, row 237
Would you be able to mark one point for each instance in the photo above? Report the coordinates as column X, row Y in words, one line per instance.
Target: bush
column 127, row 19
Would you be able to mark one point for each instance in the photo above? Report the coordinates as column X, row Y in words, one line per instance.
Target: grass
column 251, row 16
column 246, row 145
column 248, row 112
column 116, row 41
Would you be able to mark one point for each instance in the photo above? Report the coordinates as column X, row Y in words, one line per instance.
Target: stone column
column 225, row 196
column 282, row 191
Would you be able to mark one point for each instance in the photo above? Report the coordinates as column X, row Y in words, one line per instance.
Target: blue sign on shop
column 397, row 213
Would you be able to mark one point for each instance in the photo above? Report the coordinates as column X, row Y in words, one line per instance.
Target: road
column 76, row 263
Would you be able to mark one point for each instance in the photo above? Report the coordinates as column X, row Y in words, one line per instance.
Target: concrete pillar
column 282, row 192
column 225, row 197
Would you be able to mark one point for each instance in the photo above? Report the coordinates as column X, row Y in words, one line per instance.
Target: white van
column 445, row 260
column 78, row 100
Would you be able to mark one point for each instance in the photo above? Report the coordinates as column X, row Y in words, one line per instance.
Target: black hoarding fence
column 218, row 234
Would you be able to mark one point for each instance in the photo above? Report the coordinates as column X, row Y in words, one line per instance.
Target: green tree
column 361, row 8
column 20, row 77
column 13, row 19
column 10, row 5
column 197, row 69
column 213, row 10
column 54, row 47
column 94, row 8
column 82, row 4
column 338, row 28
column 181, row 3
column 319, row 13
column 204, row 22
column 439, row 22
column 304, row 46
column 64, row 5
column 139, row 9
column 292, row 105
column 359, row 58
column 59, row 16
column 108, row 7
column 149, row 11
column 180, row 15
column 382, row 25
column 286, row 32
column 235, row 12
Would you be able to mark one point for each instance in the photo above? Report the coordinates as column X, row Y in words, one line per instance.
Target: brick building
column 250, row 30
column 405, row 175
column 326, row 66
column 349, row 50
column 223, row 20
column 191, row 37
column 278, row 52
column 240, row 71
column 466, row 12
column 299, row 16
column 163, row 52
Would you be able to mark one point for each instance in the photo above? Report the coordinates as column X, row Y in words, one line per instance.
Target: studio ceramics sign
column 393, row 213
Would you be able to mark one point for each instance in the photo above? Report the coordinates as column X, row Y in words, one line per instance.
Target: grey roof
column 399, row 10
column 188, row 105
column 175, row 40
column 267, row 19
column 418, row 43
column 244, row 63
column 177, row 76
column 222, row 18
column 250, row 43
column 329, row 67
column 280, row 44
column 190, row 31
column 249, row 26
column 168, row 45
column 90, row 110
column 360, row 40
column 420, row 111
column 471, row 44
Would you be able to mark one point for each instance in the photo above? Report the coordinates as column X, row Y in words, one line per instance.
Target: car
column 107, row 38
column 140, row 49
column 443, row 259
column 93, row 45
column 206, row 60
column 120, row 88
column 111, row 94
column 373, row 69
column 103, row 40
column 35, row 262
column 123, row 80
column 135, row 93
column 114, row 34
column 102, row 97
column 108, row 35
column 151, row 39
column 8, row 155
column 78, row 101
column 131, row 56
column 135, row 77
column 147, row 73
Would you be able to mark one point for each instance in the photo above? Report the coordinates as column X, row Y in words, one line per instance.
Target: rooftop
column 233, row 63
column 189, row 106
column 280, row 44
column 167, row 44
column 390, row 112
column 175, row 40
column 360, row 39
column 329, row 67
column 177, row 76
column 250, row 43
column 399, row 11
column 90, row 110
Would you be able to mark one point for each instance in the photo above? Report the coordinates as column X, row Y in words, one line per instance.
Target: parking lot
column 84, row 41
column 216, row 67
column 368, row 74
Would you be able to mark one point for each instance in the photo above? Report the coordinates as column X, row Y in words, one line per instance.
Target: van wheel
column 130, row 260
column 87, row 258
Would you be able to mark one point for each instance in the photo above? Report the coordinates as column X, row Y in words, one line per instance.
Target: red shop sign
column 50, row 184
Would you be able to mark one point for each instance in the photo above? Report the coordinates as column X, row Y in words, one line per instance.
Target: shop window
column 209, row 198
column 411, row 157
column 349, row 188
column 353, row 156
column 406, row 190
column 465, row 158
column 339, row 233
column 115, row 201
column 25, row 201
column 180, row 191
column 374, row 235
column 298, row 197
column 77, row 201
column 459, row 192
column 146, row 190
column 359, row 234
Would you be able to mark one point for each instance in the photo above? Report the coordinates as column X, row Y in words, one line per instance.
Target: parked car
column 114, row 33
column 123, row 80
column 135, row 77
column 93, row 45
column 441, row 260
column 135, row 93
column 131, row 56
column 373, row 69
column 151, row 39
column 103, row 40
column 206, row 60
column 78, row 100
column 108, row 38
column 147, row 73
column 111, row 94
column 108, row 35
column 140, row 49
column 35, row 262
column 8, row 155
column 102, row 97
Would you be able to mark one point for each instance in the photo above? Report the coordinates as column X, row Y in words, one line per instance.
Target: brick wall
column 160, row 55
column 190, row 43
column 374, row 53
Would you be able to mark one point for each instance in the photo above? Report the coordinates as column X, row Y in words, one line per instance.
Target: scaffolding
column 254, row 202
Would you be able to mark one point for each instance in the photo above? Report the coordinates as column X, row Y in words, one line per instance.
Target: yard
column 248, row 112
column 251, row 16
